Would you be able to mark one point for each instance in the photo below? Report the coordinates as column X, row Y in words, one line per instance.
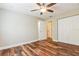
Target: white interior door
column 42, row 29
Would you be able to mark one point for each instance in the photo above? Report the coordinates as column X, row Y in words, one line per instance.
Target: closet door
column 68, row 30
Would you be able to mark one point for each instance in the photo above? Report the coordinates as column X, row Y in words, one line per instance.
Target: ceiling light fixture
column 43, row 9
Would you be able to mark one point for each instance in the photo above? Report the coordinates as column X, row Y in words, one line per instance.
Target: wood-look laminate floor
column 42, row 48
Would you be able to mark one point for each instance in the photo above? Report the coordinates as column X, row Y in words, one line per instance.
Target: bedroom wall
column 68, row 30
column 16, row 28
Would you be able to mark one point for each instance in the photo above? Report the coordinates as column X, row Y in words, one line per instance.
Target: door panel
column 42, row 29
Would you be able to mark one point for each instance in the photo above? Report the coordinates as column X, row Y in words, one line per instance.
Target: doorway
column 45, row 30
column 49, row 30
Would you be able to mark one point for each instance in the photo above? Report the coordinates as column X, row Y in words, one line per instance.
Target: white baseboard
column 15, row 45
column 69, row 43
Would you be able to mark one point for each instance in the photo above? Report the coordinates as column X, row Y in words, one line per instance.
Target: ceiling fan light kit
column 43, row 10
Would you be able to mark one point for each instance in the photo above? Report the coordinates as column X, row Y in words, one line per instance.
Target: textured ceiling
column 59, row 9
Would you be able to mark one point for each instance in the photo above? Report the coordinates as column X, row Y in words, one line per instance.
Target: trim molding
column 69, row 43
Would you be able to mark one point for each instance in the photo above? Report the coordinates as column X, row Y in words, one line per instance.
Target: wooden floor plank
column 42, row 48
column 38, row 51
column 26, row 51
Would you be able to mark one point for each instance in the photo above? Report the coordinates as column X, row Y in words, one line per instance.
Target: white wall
column 17, row 28
column 68, row 30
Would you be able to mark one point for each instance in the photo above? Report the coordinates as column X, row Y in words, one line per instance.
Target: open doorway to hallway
column 49, row 30
column 45, row 30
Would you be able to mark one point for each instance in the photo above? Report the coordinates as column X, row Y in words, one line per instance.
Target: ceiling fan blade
column 35, row 10
column 38, row 4
column 50, row 10
column 51, row 4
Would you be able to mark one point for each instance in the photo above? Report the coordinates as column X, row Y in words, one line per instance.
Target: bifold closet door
column 68, row 30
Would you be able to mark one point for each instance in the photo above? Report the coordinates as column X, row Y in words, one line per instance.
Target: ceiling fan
column 44, row 8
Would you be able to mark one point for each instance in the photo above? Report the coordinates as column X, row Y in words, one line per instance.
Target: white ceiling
column 59, row 8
